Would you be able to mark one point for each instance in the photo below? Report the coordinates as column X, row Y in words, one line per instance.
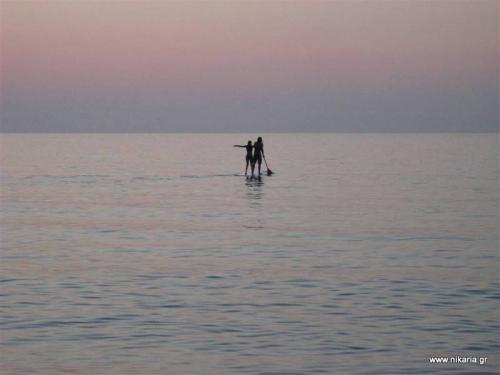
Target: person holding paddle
column 258, row 154
column 248, row 157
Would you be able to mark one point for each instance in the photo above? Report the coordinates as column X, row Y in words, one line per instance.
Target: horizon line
column 280, row 132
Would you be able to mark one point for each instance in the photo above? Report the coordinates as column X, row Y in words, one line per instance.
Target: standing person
column 248, row 157
column 258, row 154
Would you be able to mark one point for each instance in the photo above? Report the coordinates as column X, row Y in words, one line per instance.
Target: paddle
column 269, row 172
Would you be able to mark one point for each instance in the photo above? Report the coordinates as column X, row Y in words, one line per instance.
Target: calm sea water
column 152, row 254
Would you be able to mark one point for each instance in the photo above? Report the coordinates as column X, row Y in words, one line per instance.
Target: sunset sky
column 249, row 66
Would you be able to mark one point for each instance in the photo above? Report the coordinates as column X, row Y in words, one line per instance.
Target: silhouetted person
column 258, row 154
column 248, row 157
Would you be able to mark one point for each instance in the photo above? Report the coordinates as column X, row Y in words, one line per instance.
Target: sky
column 249, row 66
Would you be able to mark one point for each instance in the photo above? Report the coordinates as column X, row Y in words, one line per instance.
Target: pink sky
column 225, row 65
column 244, row 43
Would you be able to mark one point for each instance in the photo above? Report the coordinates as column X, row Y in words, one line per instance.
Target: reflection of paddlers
column 248, row 157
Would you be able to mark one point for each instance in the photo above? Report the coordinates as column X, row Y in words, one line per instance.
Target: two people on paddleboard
column 258, row 154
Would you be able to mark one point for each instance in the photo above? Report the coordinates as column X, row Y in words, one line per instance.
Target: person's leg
column 246, row 168
column 260, row 163
column 253, row 167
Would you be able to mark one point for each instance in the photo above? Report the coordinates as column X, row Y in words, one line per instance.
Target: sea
column 154, row 254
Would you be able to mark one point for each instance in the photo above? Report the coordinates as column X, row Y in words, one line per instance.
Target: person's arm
column 238, row 146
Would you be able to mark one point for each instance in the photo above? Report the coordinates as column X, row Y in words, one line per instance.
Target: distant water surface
column 152, row 254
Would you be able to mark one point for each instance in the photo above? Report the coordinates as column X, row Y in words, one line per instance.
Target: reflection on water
column 254, row 191
column 255, row 194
